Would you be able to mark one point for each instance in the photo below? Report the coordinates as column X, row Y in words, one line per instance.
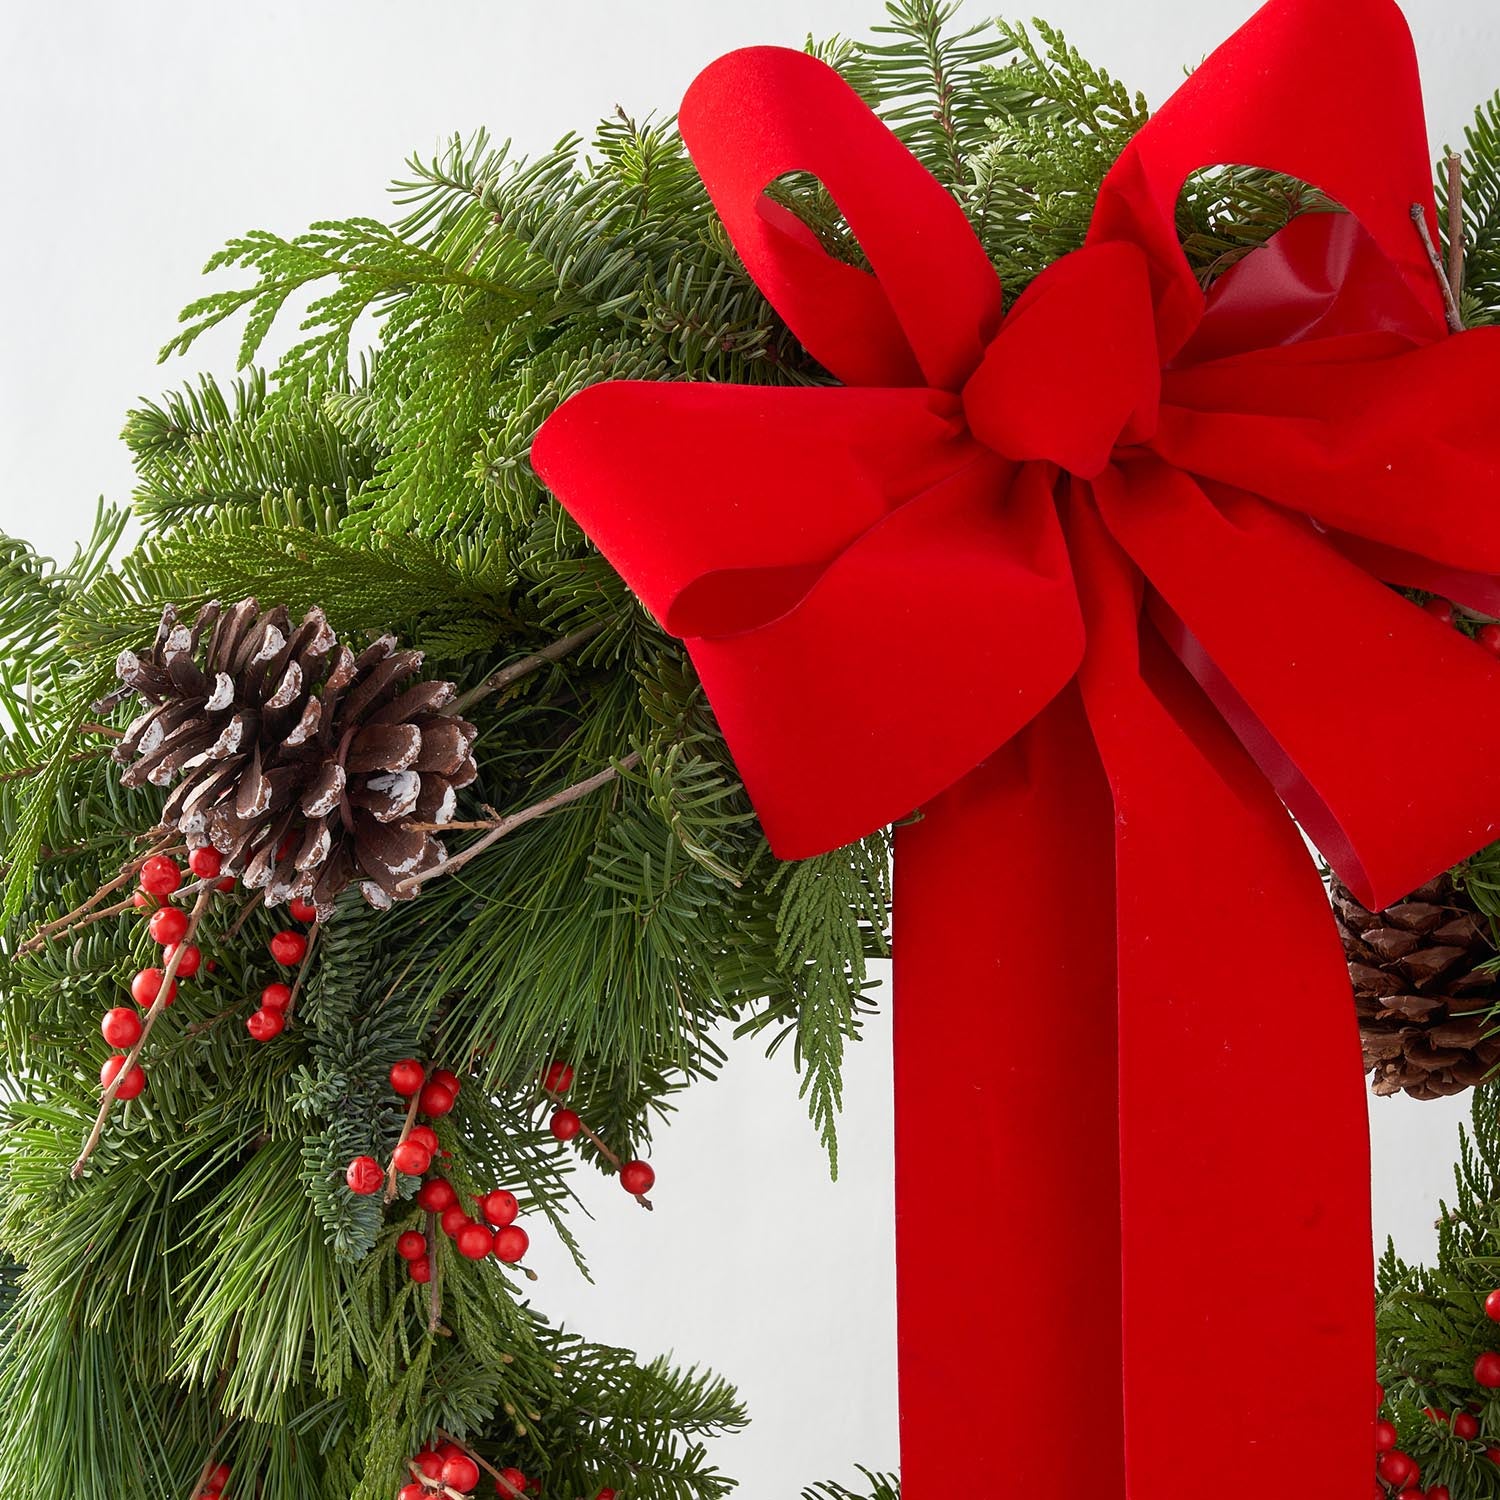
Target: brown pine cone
column 1421, row 992
column 305, row 765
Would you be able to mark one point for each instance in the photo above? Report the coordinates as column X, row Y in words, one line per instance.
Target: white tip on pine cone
column 179, row 639
column 323, row 640
column 288, row 688
column 223, row 693
column 400, row 788
column 447, row 807
column 375, row 895
column 310, row 858
column 272, row 644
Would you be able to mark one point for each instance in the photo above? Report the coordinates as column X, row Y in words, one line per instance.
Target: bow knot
column 1074, row 371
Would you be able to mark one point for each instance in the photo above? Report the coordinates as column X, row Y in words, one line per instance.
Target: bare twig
column 1456, row 226
column 498, row 681
column 302, row 968
column 128, row 871
column 169, row 975
column 434, row 1284
column 391, row 1174
column 1450, row 302
column 513, row 821
column 247, row 911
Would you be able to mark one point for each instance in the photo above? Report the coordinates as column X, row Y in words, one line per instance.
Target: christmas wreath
column 406, row 860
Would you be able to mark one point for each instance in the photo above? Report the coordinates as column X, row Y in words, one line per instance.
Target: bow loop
column 1074, row 369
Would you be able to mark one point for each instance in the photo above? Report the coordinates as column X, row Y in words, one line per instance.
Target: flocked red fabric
column 1109, row 556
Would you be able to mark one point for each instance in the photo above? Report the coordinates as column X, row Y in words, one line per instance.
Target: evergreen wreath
column 230, row 1276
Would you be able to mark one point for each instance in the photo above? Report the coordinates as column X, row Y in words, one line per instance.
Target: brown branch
column 312, row 943
column 1456, row 225
column 603, row 1149
column 169, row 975
column 513, row 821
column 21, row 772
column 246, row 912
column 128, row 871
column 411, row 1119
column 434, row 1284
column 498, row 681
column 1450, row 302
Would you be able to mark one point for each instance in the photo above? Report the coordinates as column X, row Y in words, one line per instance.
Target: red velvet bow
column 1118, row 557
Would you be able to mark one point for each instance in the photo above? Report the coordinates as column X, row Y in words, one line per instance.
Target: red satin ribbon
column 1118, row 560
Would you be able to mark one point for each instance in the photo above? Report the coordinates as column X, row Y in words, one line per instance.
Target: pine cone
column 1421, row 996
column 305, row 765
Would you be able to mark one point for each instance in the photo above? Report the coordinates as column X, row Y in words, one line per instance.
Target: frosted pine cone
column 305, row 765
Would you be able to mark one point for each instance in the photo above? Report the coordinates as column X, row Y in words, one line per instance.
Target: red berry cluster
column 636, row 1177
column 495, row 1232
column 1397, row 1473
column 1487, row 635
column 288, row 948
column 212, row 1484
column 450, row 1467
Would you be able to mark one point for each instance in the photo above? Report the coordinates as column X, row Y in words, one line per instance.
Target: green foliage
column 1481, row 214
column 1432, row 1324
column 882, row 1487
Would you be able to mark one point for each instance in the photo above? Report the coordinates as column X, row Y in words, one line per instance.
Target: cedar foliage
column 209, row 1287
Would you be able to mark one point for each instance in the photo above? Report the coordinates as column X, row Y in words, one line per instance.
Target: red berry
column 1488, row 636
column 558, row 1078
column 364, row 1176
column 412, row 1157
column 1385, row 1437
column 605, row 1495
column 121, row 1027
column 188, row 964
column 413, row 1491
column 1439, row 609
column 1440, row 1492
column 219, row 1478
column 265, row 1025
column 301, row 911
column 500, row 1207
column 411, row 1245
column 637, row 1177
column 143, row 899
column 429, row 1463
column 288, row 948
column 474, row 1241
column 1465, row 1425
column 511, row 1243
column 565, row 1125
column 1487, row 1370
column 511, row 1482
column 1379, row 1395
column 1492, row 1306
column 407, row 1077
column 435, row 1100
column 210, row 1495
column 419, row 1269
column 206, row 863
column 130, row 1085
column 447, row 1080
column 453, row 1218
column 425, row 1136
column 1396, row 1467
column 1493, row 1454
column 461, row 1472
column 160, row 875
column 276, row 996
column 437, row 1195
column 146, row 985
column 1434, row 1414
column 168, row 925
column 226, row 884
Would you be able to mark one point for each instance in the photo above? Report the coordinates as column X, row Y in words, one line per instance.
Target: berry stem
column 312, row 942
column 245, row 913
column 489, row 1468
column 128, row 872
column 498, row 681
column 603, row 1150
column 499, row 827
column 411, row 1119
column 1450, row 302
column 438, row 1487
column 1456, row 225
column 163, row 992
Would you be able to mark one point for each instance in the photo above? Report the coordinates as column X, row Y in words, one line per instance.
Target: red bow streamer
column 1112, row 554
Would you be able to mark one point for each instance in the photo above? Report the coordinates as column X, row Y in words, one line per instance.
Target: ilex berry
column 288, row 948
column 266, row 1024
column 461, row 1472
column 206, row 863
column 454, row 1219
column 169, row 924
column 447, row 1080
column 435, row 1100
column 412, row 1157
column 188, row 964
column 219, row 1478
column 146, row 985
column 1465, row 1425
column 411, row 1245
column 564, row 1124
column 437, row 1195
column 426, row 1136
column 500, row 1207
column 558, row 1078
column 276, row 996
column 130, row 1085
column 511, row 1243
column 407, row 1077
column 160, row 876
column 1492, row 1306
column 301, row 911
column 474, row 1241
column 1487, row 1370
column 365, row 1176
column 511, row 1482
column 419, row 1269
column 413, row 1491
column 121, row 1027
column 637, row 1177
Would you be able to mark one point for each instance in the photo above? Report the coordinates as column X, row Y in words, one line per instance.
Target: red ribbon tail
column 1008, row 1254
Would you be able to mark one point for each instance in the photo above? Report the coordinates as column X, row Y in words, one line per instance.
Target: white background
column 138, row 137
